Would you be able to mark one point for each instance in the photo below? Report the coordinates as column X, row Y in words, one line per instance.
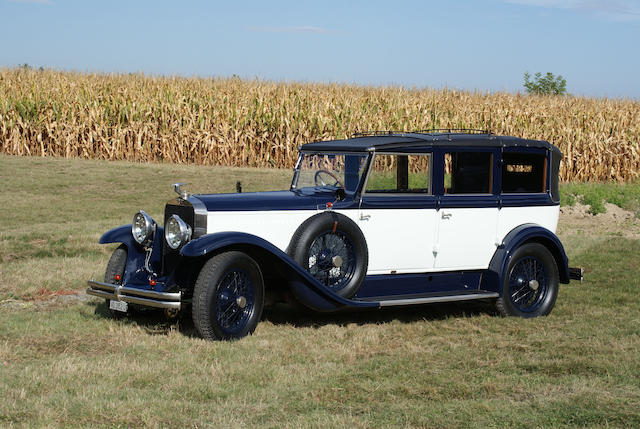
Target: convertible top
column 395, row 141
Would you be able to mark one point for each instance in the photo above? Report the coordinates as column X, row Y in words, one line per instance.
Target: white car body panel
column 277, row 226
column 403, row 240
column 466, row 238
column 399, row 240
column 511, row 217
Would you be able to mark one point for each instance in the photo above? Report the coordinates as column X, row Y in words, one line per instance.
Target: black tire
column 323, row 237
column 116, row 266
column 228, row 297
column 530, row 283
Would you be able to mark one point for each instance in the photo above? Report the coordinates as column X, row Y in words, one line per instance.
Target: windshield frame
column 365, row 168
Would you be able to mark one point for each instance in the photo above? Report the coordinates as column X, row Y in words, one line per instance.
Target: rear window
column 523, row 173
column 468, row 172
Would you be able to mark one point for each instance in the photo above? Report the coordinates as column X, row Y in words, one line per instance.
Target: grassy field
column 237, row 122
column 65, row 362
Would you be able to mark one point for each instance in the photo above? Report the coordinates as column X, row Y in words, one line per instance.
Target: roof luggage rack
column 377, row 133
column 429, row 131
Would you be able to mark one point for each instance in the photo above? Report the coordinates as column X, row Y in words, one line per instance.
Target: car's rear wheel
column 530, row 283
column 228, row 297
column 331, row 247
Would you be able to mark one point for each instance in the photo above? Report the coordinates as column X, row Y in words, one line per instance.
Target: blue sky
column 482, row 45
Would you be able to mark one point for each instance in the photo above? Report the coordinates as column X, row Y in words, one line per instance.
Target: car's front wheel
column 530, row 283
column 114, row 274
column 228, row 297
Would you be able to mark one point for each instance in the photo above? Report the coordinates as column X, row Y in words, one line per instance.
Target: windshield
column 332, row 171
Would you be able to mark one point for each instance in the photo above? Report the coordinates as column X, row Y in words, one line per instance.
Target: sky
column 483, row 45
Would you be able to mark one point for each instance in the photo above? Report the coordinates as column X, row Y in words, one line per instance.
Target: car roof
column 394, row 141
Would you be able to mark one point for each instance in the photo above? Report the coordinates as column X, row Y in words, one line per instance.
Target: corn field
column 236, row 122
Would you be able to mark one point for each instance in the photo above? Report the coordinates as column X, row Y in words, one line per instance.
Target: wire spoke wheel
column 234, row 301
column 528, row 284
column 228, row 297
column 333, row 250
column 332, row 259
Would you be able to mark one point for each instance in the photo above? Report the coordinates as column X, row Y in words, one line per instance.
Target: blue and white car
column 377, row 220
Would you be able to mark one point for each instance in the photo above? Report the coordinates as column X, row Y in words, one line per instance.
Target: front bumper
column 148, row 298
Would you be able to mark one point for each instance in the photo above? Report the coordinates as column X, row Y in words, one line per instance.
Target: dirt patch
column 615, row 221
column 45, row 301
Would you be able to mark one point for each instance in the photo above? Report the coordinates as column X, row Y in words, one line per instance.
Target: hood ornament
column 177, row 187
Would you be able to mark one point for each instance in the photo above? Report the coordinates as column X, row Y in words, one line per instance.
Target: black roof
column 389, row 142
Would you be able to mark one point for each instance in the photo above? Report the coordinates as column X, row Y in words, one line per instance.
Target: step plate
column 435, row 299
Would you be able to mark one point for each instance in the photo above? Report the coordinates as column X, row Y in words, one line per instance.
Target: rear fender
column 528, row 233
column 305, row 287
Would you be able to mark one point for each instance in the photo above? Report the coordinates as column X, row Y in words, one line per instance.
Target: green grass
column 55, row 210
column 625, row 195
column 70, row 364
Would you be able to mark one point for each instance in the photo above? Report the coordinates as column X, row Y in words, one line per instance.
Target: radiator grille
column 184, row 209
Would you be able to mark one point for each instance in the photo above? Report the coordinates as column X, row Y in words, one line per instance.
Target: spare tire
column 331, row 247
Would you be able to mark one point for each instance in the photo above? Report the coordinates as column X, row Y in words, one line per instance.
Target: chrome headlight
column 143, row 228
column 176, row 232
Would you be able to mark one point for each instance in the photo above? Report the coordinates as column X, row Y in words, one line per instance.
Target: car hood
column 266, row 201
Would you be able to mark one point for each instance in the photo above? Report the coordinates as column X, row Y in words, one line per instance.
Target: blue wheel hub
column 325, row 259
column 235, row 301
column 528, row 284
column 332, row 259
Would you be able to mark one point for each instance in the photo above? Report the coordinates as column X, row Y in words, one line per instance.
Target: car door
column 468, row 211
column 397, row 214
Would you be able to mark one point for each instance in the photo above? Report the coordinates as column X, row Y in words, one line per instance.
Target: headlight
column 143, row 228
column 176, row 232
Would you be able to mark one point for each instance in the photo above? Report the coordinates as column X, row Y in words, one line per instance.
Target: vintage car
column 377, row 220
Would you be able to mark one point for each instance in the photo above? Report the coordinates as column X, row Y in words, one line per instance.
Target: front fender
column 304, row 286
column 120, row 234
column 135, row 253
column 492, row 280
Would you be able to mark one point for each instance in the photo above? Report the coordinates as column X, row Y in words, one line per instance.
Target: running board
column 435, row 299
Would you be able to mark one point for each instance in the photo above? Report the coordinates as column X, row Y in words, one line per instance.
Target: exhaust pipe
column 576, row 274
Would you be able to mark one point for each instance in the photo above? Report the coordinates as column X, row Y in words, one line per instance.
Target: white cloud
column 617, row 10
column 292, row 29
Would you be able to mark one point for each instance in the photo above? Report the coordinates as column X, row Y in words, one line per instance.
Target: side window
column 400, row 174
column 468, row 172
column 524, row 172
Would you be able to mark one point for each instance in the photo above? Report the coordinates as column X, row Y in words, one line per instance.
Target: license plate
column 118, row 305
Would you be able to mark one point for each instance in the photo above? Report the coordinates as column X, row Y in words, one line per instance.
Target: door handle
column 364, row 217
column 446, row 215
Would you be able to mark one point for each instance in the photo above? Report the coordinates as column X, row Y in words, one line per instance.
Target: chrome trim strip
column 199, row 216
column 450, row 298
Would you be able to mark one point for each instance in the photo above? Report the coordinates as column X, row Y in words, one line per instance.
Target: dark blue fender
column 120, row 234
column 136, row 254
column 305, row 287
column 527, row 233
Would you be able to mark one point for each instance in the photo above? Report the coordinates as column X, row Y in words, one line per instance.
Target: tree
column 545, row 85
